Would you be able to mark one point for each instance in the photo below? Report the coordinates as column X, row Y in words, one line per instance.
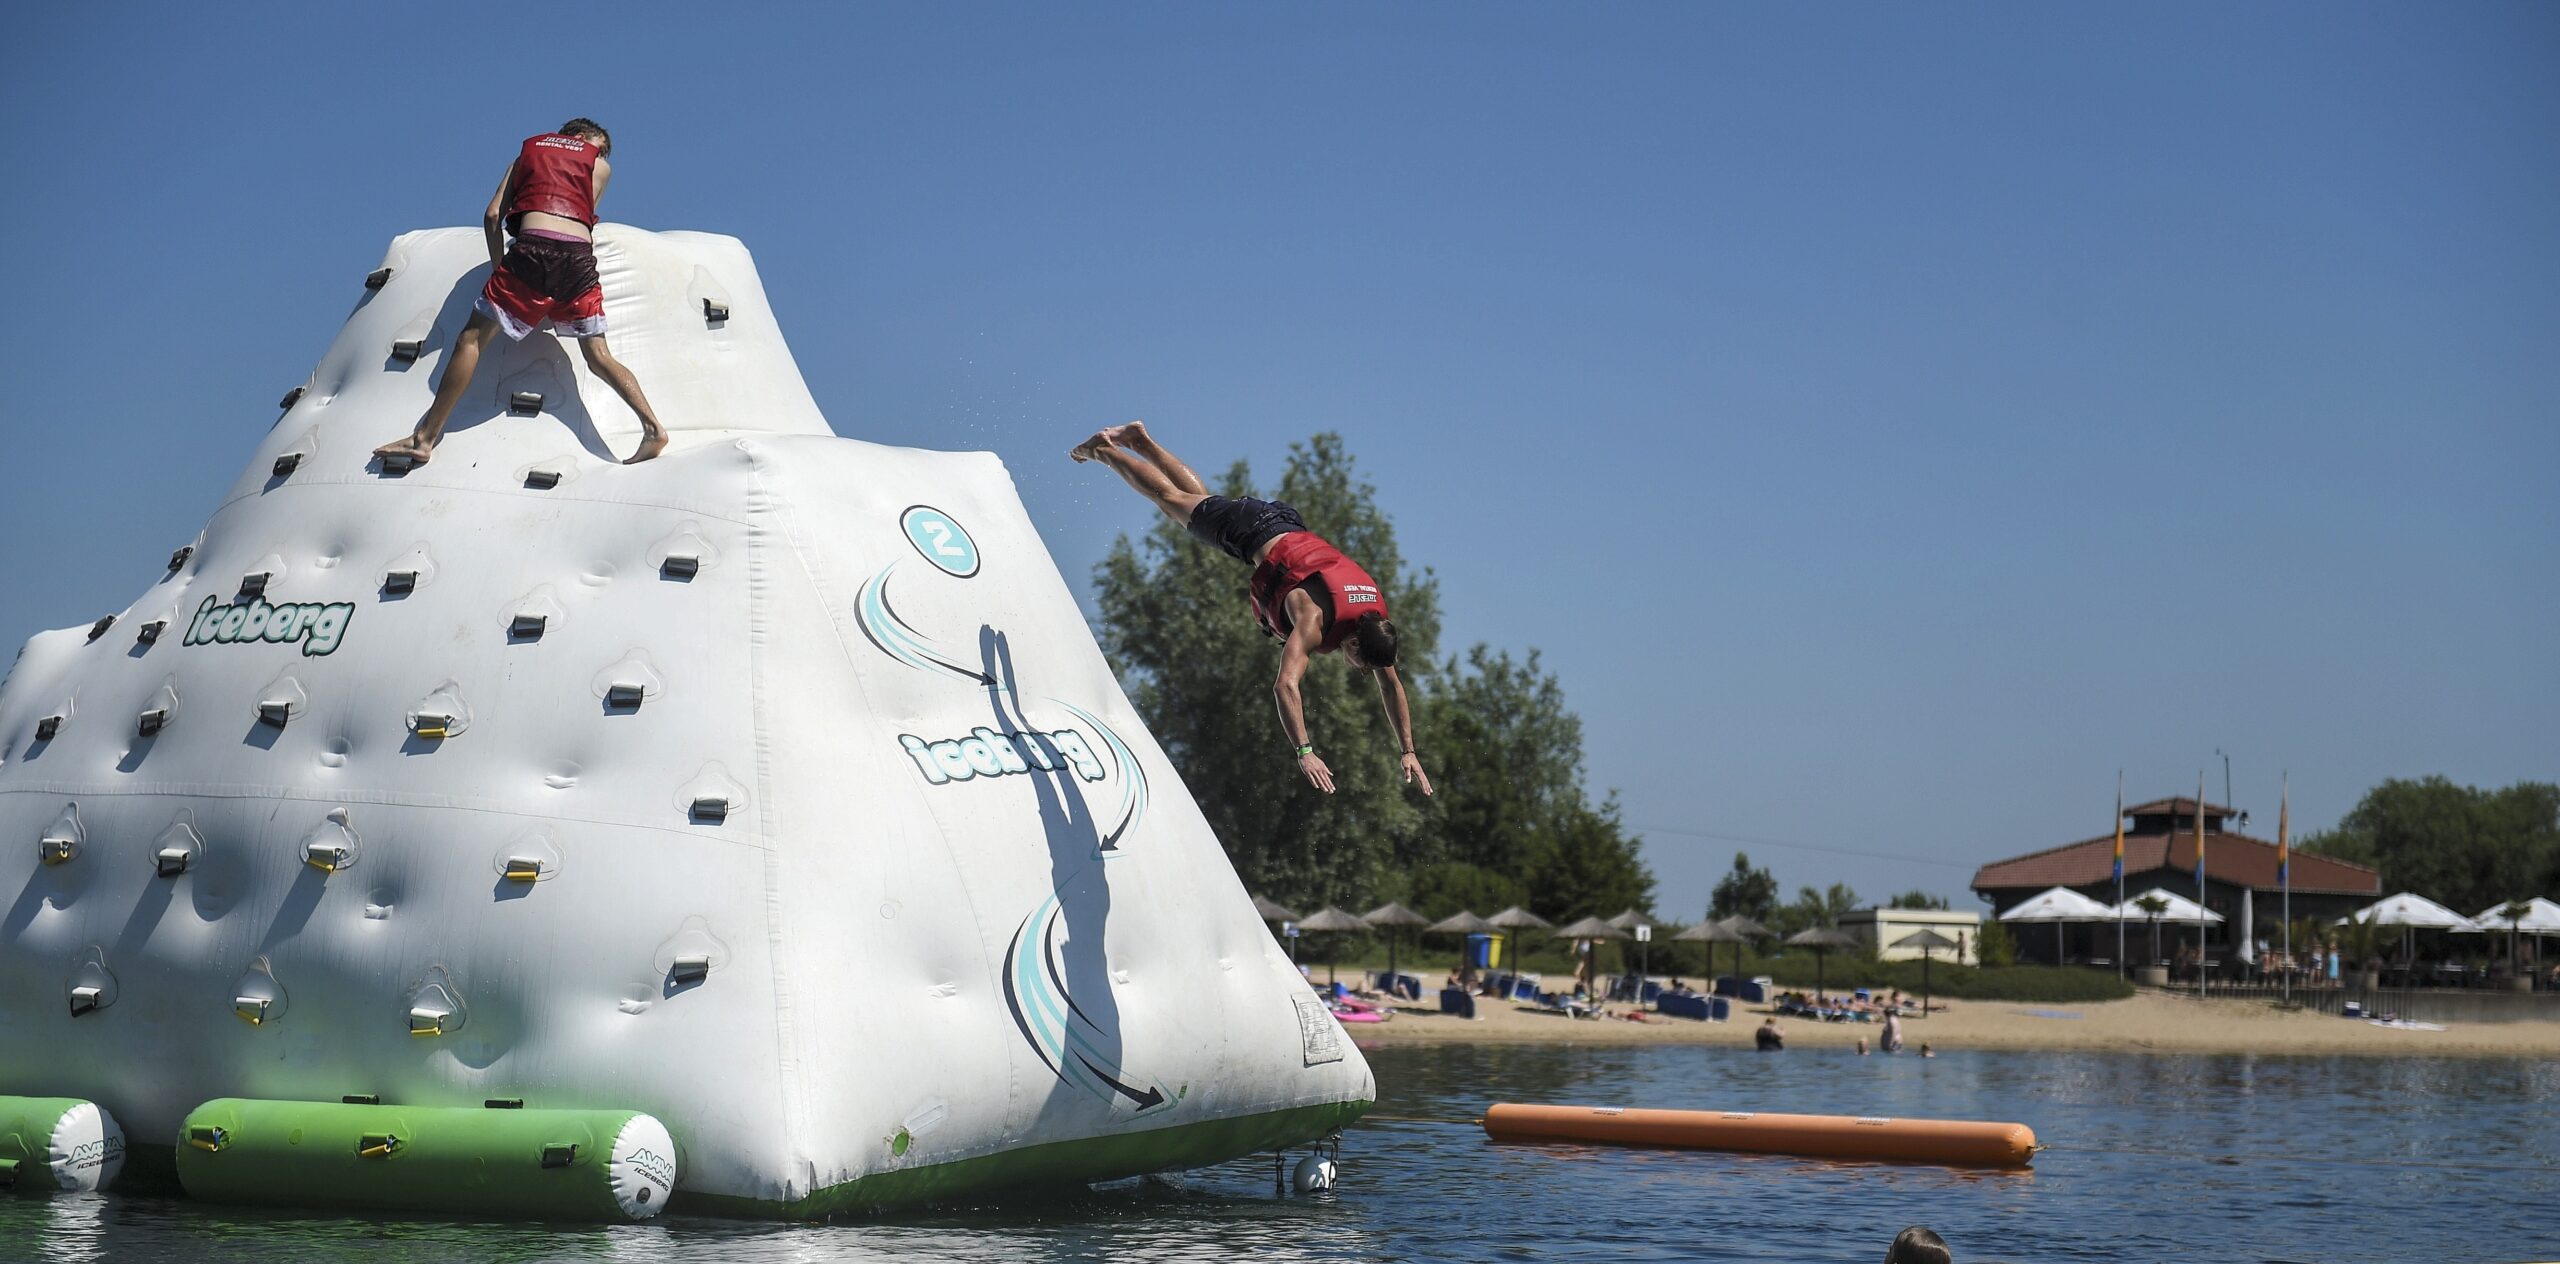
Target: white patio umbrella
column 2413, row 913
column 2180, row 908
column 2541, row 917
column 2059, row 905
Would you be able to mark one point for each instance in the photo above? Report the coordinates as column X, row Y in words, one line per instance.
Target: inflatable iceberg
column 775, row 788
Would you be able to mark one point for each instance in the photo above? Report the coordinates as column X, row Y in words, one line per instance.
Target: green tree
column 1509, row 767
column 1592, row 867
column 1746, row 890
column 1814, row 908
column 1916, row 899
column 1995, row 946
column 1175, row 627
column 2457, row 845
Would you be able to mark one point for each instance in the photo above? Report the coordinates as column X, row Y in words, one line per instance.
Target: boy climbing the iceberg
column 1304, row 591
column 547, row 276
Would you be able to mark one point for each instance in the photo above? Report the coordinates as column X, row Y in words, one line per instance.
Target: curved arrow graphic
column 892, row 636
column 1065, row 1037
column 1133, row 778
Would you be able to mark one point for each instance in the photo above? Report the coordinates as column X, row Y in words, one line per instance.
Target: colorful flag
column 2284, row 856
column 2199, row 840
column 2119, row 827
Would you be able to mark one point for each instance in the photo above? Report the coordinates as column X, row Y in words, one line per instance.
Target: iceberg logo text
column 319, row 627
column 987, row 753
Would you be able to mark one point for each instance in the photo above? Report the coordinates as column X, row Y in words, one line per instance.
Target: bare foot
column 1085, row 451
column 1124, row 435
column 652, row 442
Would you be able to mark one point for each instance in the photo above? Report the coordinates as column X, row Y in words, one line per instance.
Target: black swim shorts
column 1244, row 524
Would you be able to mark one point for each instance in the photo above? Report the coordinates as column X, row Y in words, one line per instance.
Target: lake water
column 2208, row 1158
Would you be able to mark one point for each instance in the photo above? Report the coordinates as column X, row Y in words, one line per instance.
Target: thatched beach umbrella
column 1591, row 928
column 1331, row 920
column 1924, row 940
column 1745, row 927
column 1516, row 919
column 1462, row 922
column 1391, row 916
column 1823, row 940
column 1711, row 934
column 1279, row 915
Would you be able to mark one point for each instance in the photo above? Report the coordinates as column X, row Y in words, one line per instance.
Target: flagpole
column 2120, row 873
column 2284, row 879
column 2200, row 908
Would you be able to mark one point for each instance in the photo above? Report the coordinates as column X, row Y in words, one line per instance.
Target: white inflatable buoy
column 1314, row 1174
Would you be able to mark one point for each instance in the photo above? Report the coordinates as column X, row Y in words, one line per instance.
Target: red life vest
column 555, row 175
column 1343, row 590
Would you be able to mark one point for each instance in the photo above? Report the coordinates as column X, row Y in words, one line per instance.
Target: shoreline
column 2147, row 1023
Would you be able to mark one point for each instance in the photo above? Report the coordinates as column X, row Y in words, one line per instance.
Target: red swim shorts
column 545, row 280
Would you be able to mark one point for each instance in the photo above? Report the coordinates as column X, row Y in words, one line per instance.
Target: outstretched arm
column 1293, row 715
column 493, row 222
column 1400, row 719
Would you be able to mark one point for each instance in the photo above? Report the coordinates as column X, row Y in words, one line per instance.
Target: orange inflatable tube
column 1954, row 1142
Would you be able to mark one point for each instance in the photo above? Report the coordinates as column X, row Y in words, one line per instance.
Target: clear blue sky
column 1891, row 421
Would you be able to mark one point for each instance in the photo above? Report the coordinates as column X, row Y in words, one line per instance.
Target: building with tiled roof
column 2160, row 840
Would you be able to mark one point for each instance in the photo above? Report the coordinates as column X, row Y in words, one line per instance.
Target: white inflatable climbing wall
column 775, row 788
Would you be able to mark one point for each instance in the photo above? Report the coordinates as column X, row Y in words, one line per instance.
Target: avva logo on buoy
column 942, row 541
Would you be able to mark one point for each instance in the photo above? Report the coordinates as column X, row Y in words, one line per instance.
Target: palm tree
column 2515, row 911
column 2152, row 907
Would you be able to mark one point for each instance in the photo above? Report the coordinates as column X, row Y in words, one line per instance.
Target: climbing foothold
column 180, row 557
column 286, row 464
column 525, row 403
column 400, row 582
column 150, row 722
column 407, row 350
column 714, row 313
column 291, row 397
column 99, row 628
column 680, row 566
column 149, row 633
column 542, row 480
column 377, row 278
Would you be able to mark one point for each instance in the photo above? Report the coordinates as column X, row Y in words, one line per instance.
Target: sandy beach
column 2150, row 1022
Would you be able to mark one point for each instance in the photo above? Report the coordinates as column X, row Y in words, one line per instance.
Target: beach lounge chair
column 1458, row 1001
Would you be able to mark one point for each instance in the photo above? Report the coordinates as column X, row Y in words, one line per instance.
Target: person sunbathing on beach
column 1304, row 591
column 546, row 277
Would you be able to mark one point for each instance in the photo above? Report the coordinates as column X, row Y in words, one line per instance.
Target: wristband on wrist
column 1305, row 749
